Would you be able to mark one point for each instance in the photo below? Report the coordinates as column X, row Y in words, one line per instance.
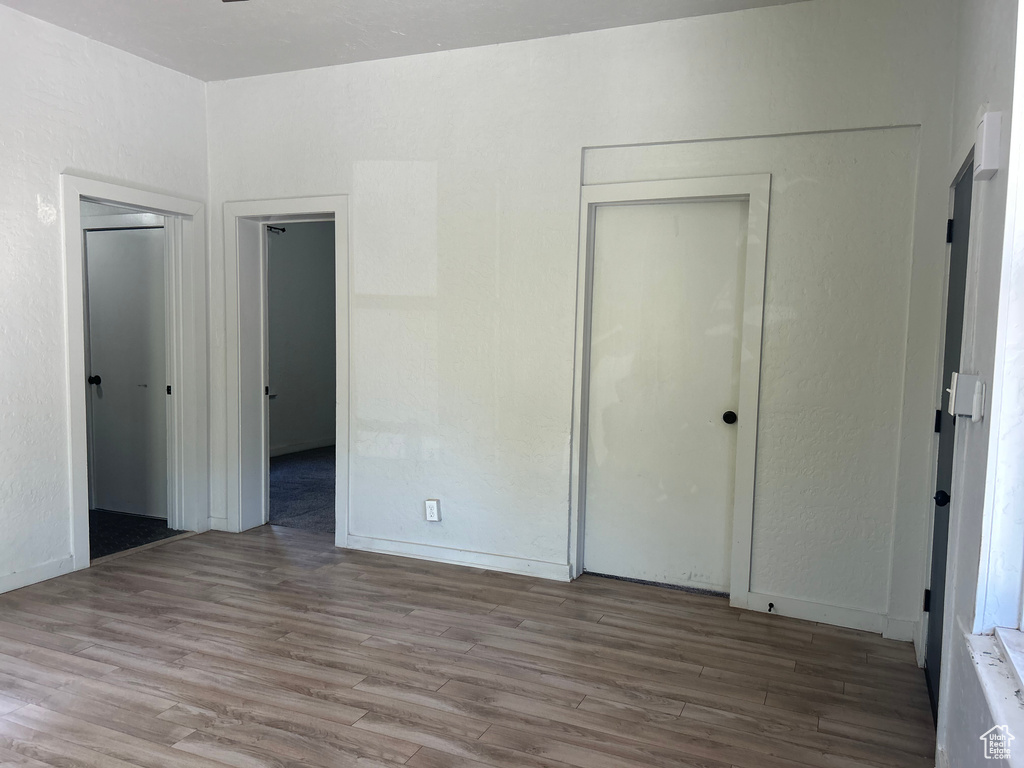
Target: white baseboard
column 538, row 568
column 900, row 629
column 36, row 573
column 941, row 759
column 809, row 611
column 218, row 524
column 281, row 450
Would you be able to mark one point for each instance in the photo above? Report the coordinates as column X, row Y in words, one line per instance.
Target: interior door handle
column 95, row 380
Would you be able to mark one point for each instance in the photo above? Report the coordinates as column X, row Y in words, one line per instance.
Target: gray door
column 947, row 426
column 127, row 414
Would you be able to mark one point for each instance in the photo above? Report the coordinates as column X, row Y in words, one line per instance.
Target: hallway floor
column 302, row 490
column 274, row 648
column 111, row 532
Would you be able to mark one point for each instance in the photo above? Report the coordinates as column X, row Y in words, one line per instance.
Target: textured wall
column 69, row 104
column 462, row 383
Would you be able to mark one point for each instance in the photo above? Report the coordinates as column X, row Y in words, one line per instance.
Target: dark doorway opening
column 301, row 364
column 112, row 532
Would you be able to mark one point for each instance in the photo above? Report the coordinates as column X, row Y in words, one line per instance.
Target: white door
column 666, row 326
column 126, row 368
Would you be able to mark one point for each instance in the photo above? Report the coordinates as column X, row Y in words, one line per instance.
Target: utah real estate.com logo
column 997, row 743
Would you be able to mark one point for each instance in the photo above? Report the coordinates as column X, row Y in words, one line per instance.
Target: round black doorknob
column 729, row 417
column 95, row 380
column 941, row 499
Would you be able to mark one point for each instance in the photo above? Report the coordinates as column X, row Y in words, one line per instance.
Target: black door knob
column 95, row 380
column 941, row 499
column 729, row 417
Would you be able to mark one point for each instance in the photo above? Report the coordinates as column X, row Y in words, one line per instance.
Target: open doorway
column 185, row 309
column 301, row 369
column 252, row 240
column 126, row 350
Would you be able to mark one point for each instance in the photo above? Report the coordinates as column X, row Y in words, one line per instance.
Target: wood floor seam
column 274, row 648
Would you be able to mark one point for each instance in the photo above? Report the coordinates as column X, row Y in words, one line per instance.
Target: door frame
column 186, row 306
column 756, row 191
column 247, row 346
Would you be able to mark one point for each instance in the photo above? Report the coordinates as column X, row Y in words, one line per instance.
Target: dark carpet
column 302, row 490
column 111, row 532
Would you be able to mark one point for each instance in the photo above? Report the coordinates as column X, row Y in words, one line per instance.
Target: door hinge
column 949, row 231
column 266, row 390
column 927, row 600
column 938, row 420
column 168, row 389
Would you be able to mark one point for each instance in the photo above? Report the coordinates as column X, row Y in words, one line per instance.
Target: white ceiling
column 213, row 40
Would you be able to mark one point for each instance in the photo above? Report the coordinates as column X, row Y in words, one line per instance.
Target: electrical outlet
column 433, row 510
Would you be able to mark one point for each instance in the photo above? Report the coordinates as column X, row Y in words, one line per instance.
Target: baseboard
column 941, row 759
column 900, row 629
column 538, row 568
column 282, row 450
column 36, row 573
column 218, row 524
column 810, row 611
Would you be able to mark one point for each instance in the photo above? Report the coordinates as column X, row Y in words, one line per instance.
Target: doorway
column 126, row 363
column 250, row 240
column 668, row 366
column 945, row 423
column 185, row 333
column 301, row 374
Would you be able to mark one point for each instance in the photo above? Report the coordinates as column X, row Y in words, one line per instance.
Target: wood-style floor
column 273, row 648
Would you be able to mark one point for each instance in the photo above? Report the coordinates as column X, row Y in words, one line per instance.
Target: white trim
column 219, row 524
column 504, row 563
column 187, row 425
column 123, row 221
column 853, row 618
column 902, row 629
column 37, row 573
column 1011, row 647
column 278, row 212
column 756, row 189
column 998, row 681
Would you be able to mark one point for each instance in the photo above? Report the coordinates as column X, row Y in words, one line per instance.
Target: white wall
column 464, row 172
column 300, row 333
column 69, row 104
column 984, row 82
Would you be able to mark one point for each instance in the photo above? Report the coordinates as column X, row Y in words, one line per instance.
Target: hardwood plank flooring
column 274, row 649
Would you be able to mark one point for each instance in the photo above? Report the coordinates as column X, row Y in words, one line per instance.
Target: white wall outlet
column 433, row 510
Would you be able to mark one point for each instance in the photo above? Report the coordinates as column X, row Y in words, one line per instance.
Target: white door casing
column 752, row 193
column 253, row 496
column 248, row 448
column 187, row 310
